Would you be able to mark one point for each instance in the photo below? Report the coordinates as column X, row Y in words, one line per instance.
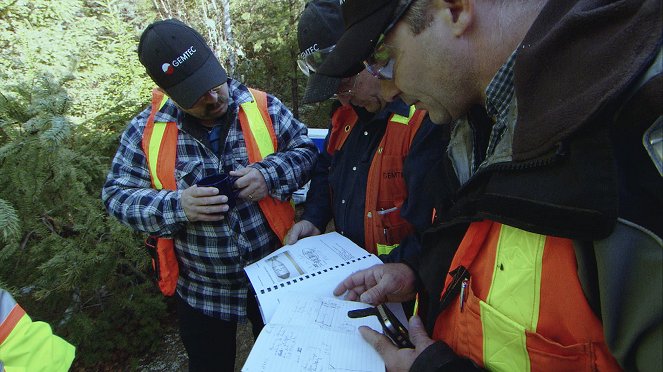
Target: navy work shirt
column 338, row 186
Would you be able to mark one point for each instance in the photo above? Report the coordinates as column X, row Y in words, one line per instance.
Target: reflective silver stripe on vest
column 7, row 303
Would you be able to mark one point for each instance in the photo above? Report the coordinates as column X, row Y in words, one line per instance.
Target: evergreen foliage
column 267, row 32
column 9, row 225
column 73, row 266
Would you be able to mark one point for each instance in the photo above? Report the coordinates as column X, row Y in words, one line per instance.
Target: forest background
column 70, row 81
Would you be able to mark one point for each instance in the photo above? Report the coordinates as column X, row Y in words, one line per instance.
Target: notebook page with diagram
column 308, row 333
column 314, row 265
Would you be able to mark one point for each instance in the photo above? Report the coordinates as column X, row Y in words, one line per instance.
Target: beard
column 213, row 110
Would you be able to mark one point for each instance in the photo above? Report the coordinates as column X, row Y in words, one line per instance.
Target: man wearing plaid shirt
column 213, row 242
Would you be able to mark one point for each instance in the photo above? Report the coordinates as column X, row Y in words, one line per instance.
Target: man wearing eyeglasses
column 369, row 177
column 537, row 259
column 203, row 124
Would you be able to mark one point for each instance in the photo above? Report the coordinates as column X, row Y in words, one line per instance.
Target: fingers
column 376, row 294
column 379, row 284
column 395, row 359
column 207, row 210
column 203, row 204
column 348, row 284
column 251, row 184
column 357, row 283
column 293, row 235
column 240, row 172
column 301, row 229
column 196, row 195
column 200, row 191
column 418, row 334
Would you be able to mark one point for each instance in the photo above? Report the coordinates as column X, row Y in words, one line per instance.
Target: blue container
column 318, row 136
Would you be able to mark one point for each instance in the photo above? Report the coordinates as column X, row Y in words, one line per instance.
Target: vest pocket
column 486, row 335
column 507, row 343
column 552, row 356
column 392, row 228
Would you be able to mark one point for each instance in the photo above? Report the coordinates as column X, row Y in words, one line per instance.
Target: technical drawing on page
column 313, row 257
column 316, row 358
column 310, row 333
column 325, row 313
column 309, row 257
column 284, row 343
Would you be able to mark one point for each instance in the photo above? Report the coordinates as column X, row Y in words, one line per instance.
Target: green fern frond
column 36, row 124
column 8, row 150
column 10, row 227
column 58, row 132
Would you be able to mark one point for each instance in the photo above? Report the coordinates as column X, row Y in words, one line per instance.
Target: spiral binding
column 311, row 275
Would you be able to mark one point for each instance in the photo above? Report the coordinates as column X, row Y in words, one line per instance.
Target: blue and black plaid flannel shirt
column 212, row 256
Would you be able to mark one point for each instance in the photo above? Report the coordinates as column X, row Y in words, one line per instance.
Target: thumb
column 293, row 234
column 418, row 334
column 380, row 342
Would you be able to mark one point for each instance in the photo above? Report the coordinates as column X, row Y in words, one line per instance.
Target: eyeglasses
column 380, row 64
column 346, row 92
column 310, row 63
column 218, row 90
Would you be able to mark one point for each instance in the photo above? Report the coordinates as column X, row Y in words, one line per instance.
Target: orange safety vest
column 160, row 147
column 384, row 228
column 521, row 307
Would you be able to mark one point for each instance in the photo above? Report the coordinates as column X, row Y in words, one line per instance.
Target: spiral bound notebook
column 314, row 334
column 312, row 266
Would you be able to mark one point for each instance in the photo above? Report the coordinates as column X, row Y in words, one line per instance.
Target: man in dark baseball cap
column 537, row 92
column 365, row 22
column 179, row 61
column 205, row 125
column 320, row 26
column 368, row 138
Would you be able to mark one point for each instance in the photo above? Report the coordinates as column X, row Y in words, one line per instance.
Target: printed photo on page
column 308, row 255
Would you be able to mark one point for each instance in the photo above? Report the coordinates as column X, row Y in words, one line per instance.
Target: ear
column 459, row 14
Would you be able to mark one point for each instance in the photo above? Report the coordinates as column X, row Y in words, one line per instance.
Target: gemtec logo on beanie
column 169, row 68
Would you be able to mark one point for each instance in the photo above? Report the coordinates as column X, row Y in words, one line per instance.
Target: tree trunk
column 294, row 52
column 228, row 36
